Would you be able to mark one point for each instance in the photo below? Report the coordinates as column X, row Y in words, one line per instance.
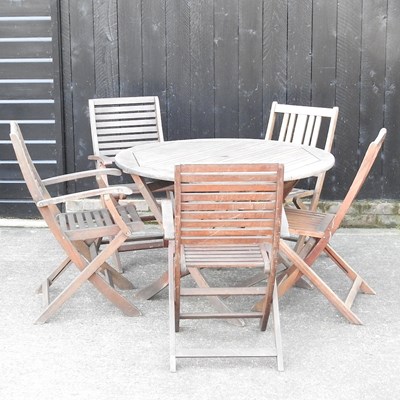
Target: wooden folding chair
column 320, row 227
column 123, row 122
column 80, row 233
column 226, row 217
column 120, row 123
column 303, row 125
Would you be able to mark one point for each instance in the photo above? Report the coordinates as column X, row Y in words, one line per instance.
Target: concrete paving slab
column 89, row 350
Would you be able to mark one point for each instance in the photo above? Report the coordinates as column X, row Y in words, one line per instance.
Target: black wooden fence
column 29, row 94
column 217, row 65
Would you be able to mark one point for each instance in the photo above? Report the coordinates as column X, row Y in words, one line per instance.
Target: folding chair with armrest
column 120, row 123
column 320, row 227
column 226, row 217
column 80, row 233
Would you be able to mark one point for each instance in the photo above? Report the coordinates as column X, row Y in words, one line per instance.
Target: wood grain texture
column 27, row 7
column 154, row 53
column 274, row 54
column 106, row 48
column 391, row 166
column 130, row 62
column 372, row 94
column 57, row 87
column 24, row 58
column 202, row 68
column 202, row 59
column 323, row 67
column 67, row 88
column 299, row 52
column 324, row 33
column 83, row 78
column 250, row 70
column 27, row 28
column 157, row 160
column 27, row 111
column 226, row 53
column 347, row 97
column 178, row 68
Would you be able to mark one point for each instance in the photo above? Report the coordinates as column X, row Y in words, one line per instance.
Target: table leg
column 148, row 196
column 151, row 290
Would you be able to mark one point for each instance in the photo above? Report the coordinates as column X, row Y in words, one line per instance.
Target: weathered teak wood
column 122, row 122
column 158, row 161
column 320, row 227
column 79, row 231
column 227, row 216
column 302, row 125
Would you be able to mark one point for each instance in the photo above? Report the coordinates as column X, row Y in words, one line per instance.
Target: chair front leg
column 88, row 272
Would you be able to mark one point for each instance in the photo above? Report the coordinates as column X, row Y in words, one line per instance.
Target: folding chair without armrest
column 80, row 233
column 226, row 217
column 303, row 125
column 320, row 227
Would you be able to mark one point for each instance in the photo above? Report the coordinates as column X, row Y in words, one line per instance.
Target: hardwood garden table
column 157, row 160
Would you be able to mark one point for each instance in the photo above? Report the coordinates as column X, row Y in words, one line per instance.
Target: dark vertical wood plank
column 323, row 85
column 274, row 53
column 130, row 47
column 250, row 70
column 226, row 53
column 55, row 12
column 372, row 86
column 391, row 166
column 69, row 142
column 324, row 33
column 347, row 97
column 202, row 68
column 299, row 52
column 178, row 69
column 83, row 78
column 106, row 48
column 154, row 57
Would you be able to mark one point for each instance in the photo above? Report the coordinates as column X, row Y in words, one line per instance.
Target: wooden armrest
column 168, row 219
column 80, row 175
column 115, row 190
column 102, row 160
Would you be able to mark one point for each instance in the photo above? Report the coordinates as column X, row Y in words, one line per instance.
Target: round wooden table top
column 157, row 160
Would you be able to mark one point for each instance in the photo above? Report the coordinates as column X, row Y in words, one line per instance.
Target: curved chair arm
column 168, row 219
column 101, row 160
column 111, row 206
column 80, row 175
column 115, row 190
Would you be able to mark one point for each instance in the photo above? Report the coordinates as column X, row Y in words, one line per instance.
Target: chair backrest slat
column 302, row 124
